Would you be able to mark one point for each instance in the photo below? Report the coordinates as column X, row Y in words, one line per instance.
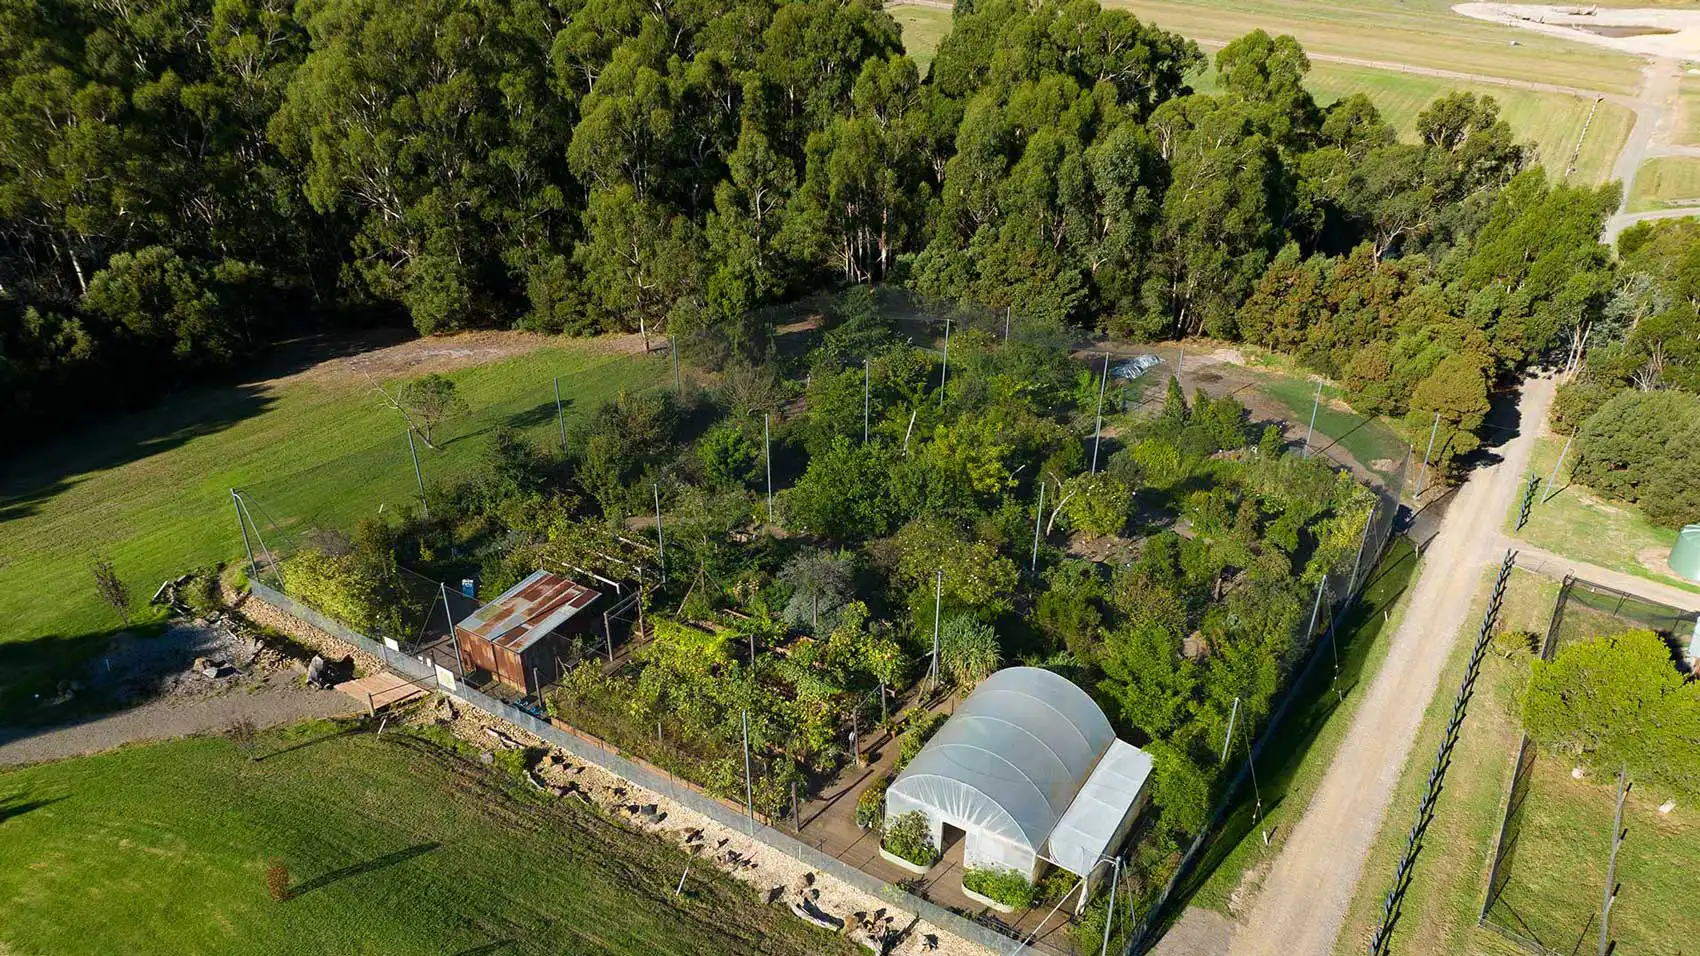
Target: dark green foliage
column 731, row 456
column 842, row 495
column 1002, row 884
column 922, row 725
column 907, row 836
column 870, row 805
column 1644, row 447
column 1618, row 703
column 356, row 581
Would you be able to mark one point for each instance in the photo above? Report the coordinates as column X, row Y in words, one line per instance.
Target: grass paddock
column 151, row 489
column 394, row 846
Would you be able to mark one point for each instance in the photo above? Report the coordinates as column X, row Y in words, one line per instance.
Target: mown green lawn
column 1551, row 122
column 1665, row 182
column 152, row 489
column 1368, row 440
column 1293, row 765
column 1576, row 523
column 1558, row 872
column 394, row 845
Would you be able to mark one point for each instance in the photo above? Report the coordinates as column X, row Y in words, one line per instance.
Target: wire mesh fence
column 1526, row 905
column 388, row 475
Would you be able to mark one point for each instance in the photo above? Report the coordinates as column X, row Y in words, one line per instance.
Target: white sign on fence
column 445, row 678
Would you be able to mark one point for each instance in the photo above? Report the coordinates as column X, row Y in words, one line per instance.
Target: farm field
column 394, row 845
column 1421, row 33
column 923, row 29
column 1577, row 524
column 1292, row 766
column 1687, row 129
column 1450, row 878
column 1664, row 182
column 1552, row 122
column 152, row 489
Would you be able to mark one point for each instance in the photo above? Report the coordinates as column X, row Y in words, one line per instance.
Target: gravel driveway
column 1312, row 880
column 276, row 698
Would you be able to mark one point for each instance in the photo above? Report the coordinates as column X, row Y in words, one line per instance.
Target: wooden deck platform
column 381, row 690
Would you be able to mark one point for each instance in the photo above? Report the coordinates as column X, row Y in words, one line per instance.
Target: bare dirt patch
column 445, row 353
column 1663, row 33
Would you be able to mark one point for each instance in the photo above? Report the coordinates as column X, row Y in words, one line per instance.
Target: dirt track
column 1312, row 881
column 275, row 699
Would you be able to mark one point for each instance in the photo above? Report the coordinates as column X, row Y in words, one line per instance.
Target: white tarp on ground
column 1006, row 765
column 1101, row 812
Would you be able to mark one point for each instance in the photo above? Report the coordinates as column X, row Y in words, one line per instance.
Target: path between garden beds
column 1313, row 879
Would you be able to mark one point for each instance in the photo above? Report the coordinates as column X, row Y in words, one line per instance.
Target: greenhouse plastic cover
column 1009, row 761
column 1083, row 835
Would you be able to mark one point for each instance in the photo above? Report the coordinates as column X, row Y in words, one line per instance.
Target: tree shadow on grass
column 344, row 732
column 496, row 946
column 360, row 869
column 12, row 807
column 34, row 477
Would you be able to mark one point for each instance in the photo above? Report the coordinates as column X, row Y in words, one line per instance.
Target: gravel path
column 276, row 698
column 1557, row 566
column 1312, row 880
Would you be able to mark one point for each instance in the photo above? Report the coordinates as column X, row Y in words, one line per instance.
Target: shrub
column 1513, row 645
column 1097, row 505
column 968, row 651
column 1618, row 702
column 277, row 880
column 1644, row 447
column 730, row 457
column 907, row 836
column 1000, row 883
column 922, row 725
column 870, row 806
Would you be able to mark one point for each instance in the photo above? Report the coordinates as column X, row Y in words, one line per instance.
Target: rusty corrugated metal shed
column 526, row 612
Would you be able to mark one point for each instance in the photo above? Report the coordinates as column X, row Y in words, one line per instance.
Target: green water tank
column 1685, row 557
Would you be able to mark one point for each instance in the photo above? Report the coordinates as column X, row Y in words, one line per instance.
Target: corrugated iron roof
column 524, row 613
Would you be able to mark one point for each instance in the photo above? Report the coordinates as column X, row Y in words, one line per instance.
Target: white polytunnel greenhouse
column 1029, row 769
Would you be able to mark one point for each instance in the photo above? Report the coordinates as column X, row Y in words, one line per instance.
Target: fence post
column 454, row 638
column 417, row 474
column 660, row 543
column 749, row 780
column 560, row 415
column 243, row 527
column 1552, row 478
column 944, row 370
column 1315, row 402
column 938, row 608
column 1433, row 431
column 1098, row 430
column 1352, row 587
column 1038, row 519
column 1611, row 867
column 867, row 397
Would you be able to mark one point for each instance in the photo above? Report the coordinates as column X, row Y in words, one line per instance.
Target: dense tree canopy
column 187, row 181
